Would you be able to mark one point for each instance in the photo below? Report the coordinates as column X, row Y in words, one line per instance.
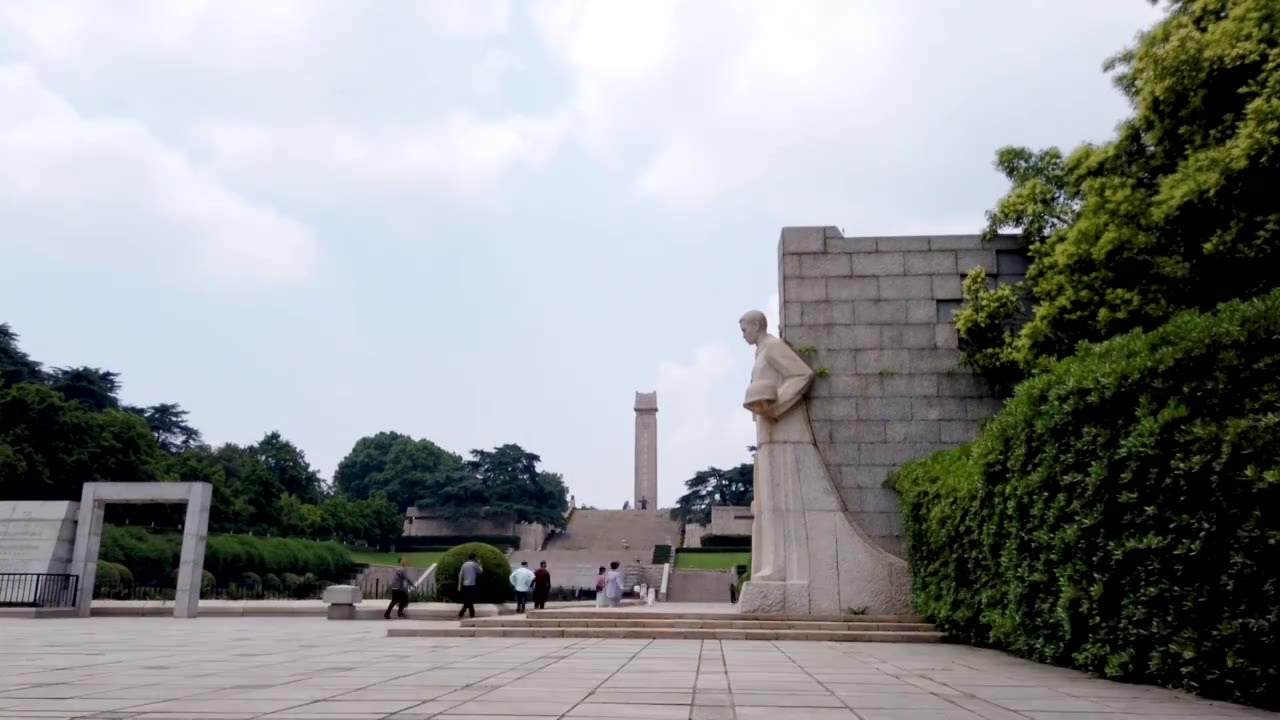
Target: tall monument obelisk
column 646, row 451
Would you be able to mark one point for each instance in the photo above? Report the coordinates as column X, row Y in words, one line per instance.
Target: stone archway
column 94, row 498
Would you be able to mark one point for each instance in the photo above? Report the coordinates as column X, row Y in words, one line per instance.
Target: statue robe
column 779, row 539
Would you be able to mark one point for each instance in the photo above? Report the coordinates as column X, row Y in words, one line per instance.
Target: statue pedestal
column 791, row 598
column 829, row 565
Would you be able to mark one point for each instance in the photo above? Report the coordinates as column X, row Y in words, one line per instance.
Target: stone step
column 597, row 614
column 668, row 634
column 699, row 624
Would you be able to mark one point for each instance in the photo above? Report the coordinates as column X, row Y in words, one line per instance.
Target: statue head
column 754, row 326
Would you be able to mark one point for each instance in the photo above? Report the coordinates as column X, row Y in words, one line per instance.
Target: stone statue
column 807, row 555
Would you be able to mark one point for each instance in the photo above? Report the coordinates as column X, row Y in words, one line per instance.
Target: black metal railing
column 38, row 590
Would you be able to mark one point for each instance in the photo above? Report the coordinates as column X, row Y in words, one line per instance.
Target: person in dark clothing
column 541, row 586
column 468, row 576
column 399, row 591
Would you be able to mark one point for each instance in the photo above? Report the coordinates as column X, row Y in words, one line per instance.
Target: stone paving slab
column 238, row 668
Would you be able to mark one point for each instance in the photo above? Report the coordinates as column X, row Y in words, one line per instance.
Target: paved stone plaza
column 225, row 668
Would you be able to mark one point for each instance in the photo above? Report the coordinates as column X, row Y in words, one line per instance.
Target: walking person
column 541, row 586
column 399, row 590
column 522, row 581
column 468, row 576
column 613, row 585
column 601, row 580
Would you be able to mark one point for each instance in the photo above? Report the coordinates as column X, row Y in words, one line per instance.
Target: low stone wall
column 422, row 523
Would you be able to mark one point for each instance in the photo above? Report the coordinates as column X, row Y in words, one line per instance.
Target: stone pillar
column 195, row 535
column 646, row 450
column 84, row 558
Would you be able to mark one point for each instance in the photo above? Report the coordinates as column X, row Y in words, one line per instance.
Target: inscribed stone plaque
column 37, row 536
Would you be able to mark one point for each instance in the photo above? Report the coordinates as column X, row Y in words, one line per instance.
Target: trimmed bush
column 437, row 542
column 126, row 577
column 271, row 582
column 251, row 580
column 495, row 580
column 290, row 581
column 106, row 575
column 742, row 542
column 1121, row 515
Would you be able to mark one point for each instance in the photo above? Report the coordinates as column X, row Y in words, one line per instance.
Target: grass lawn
column 416, row 559
column 713, row 561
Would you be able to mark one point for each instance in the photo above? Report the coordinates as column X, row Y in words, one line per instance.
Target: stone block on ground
column 341, row 595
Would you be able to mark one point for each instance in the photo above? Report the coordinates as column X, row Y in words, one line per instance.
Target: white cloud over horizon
column 79, row 175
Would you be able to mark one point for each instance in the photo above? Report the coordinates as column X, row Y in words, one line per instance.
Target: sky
column 482, row 222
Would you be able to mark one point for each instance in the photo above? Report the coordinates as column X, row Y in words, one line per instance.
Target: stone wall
column 420, row 523
column 877, row 310
column 731, row 520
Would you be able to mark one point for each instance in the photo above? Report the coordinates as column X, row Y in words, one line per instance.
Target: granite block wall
column 877, row 311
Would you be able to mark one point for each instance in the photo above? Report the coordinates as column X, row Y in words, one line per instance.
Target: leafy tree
column 1177, row 211
column 15, row 365
column 50, row 446
column 407, row 470
column 714, row 487
column 96, row 388
column 168, row 422
column 289, row 467
column 512, row 485
column 231, row 510
column 385, row 519
column 296, row 518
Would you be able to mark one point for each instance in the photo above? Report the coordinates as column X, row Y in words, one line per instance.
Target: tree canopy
column 407, row 470
column 1177, row 211
column 711, row 488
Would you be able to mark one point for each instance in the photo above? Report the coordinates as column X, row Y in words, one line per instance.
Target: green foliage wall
column 152, row 558
column 1122, row 514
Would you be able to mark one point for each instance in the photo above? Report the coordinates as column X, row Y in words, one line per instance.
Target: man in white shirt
column 522, row 581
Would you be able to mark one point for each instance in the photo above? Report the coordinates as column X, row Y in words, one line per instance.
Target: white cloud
column 459, row 154
column 466, row 18
column 831, row 106
column 226, row 34
column 95, row 185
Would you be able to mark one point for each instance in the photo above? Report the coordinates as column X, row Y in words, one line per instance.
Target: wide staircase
column 673, row 624
column 595, row 538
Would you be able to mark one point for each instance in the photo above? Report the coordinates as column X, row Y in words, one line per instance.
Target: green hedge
column 661, row 554
column 726, row 541
column 152, row 557
column 1121, row 515
column 436, row 542
column 495, row 578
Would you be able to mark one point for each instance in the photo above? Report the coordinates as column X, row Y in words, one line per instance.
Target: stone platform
column 697, row 622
